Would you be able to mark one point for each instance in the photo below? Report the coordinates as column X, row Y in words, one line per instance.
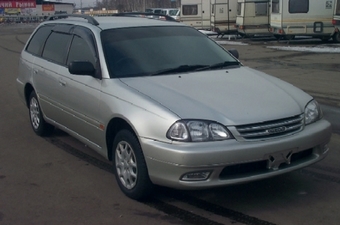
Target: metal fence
column 21, row 19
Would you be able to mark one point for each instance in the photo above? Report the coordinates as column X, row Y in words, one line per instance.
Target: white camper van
column 253, row 17
column 290, row 18
column 336, row 22
column 196, row 13
column 223, row 16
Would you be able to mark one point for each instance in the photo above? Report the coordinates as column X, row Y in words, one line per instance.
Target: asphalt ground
column 58, row 180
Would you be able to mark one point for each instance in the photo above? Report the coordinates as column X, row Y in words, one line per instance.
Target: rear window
column 190, row 10
column 298, row 6
column 337, row 9
column 261, row 9
column 275, row 6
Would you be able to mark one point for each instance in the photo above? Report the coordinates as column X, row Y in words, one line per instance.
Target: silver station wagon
column 166, row 104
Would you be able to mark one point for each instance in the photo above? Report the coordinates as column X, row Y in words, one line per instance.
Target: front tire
column 39, row 125
column 129, row 166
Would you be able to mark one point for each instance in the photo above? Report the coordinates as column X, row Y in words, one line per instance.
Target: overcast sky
column 85, row 3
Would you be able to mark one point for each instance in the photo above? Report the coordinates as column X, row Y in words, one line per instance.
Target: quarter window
column 56, row 47
column 298, row 6
column 190, row 10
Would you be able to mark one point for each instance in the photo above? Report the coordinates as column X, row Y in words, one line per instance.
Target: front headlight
column 313, row 112
column 197, row 130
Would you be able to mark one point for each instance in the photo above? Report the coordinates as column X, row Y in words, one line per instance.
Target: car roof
column 110, row 22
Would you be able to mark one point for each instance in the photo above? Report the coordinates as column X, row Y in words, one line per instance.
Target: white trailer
column 336, row 22
column 253, row 17
column 196, row 13
column 223, row 16
column 290, row 18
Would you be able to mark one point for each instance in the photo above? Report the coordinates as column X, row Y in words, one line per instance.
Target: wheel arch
column 28, row 90
column 115, row 125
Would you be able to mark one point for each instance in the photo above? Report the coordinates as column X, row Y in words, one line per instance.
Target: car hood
column 232, row 97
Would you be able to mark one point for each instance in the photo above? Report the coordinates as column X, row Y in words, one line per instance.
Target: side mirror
column 234, row 52
column 81, row 68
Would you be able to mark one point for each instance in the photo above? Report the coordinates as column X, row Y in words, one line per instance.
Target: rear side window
column 38, row 40
column 56, row 47
column 190, row 10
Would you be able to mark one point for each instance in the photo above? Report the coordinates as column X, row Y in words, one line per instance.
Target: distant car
column 173, row 12
column 166, row 104
column 153, row 10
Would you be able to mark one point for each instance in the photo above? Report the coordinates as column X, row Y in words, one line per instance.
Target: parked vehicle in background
column 336, row 22
column 198, row 119
column 253, row 17
column 290, row 18
column 173, row 12
column 154, row 10
column 223, row 16
column 196, row 13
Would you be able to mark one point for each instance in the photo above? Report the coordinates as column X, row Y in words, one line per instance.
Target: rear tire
column 336, row 37
column 129, row 166
column 289, row 37
column 39, row 125
column 325, row 38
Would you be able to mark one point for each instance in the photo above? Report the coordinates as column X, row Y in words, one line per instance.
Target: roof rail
column 89, row 19
column 146, row 14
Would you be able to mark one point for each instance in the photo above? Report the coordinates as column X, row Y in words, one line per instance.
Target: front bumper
column 232, row 162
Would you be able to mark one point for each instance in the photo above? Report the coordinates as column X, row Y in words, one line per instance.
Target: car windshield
column 146, row 51
column 173, row 12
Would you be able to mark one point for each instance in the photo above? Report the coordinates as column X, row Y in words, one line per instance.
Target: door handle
column 62, row 82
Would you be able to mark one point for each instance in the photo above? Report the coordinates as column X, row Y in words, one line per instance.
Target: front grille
column 261, row 167
column 271, row 129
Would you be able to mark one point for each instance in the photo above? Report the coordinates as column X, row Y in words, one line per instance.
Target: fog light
column 196, row 176
column 324, row 148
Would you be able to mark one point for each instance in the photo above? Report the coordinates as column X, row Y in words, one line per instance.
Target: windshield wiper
column 179, row 69
column 219, row 65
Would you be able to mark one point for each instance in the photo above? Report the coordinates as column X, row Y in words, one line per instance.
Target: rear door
column 80, row 94
column 46, row 71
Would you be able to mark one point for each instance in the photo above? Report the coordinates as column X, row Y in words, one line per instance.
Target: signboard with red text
column 18, row 4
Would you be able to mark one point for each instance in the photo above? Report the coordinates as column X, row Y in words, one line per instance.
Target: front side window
column 298, row 6
column 261, row 9
column 80, row 51
column 144, row 51
column 190, row 10
column 56, row 47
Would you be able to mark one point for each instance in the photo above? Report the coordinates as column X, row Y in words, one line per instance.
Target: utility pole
column 144, row 6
